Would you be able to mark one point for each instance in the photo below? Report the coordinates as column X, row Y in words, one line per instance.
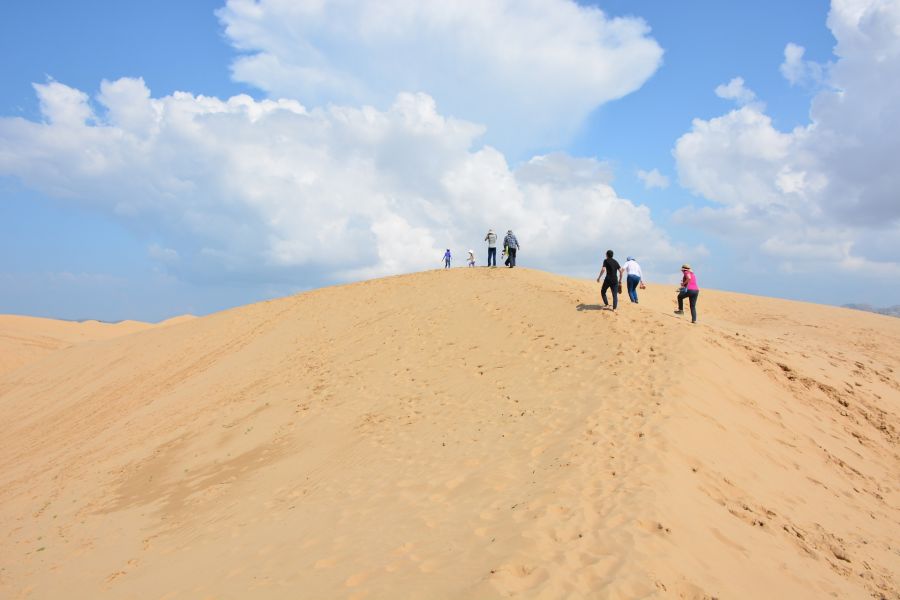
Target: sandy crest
column 474, row 433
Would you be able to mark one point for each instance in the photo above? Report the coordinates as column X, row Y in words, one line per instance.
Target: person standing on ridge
column 512, row 246
column 491, row 239
column 447, row 258
column 633, row 277
column 612, row 280
column 690, row 290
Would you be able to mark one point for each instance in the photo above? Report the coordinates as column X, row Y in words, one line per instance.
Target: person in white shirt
column 634, row 277
column 491, row 239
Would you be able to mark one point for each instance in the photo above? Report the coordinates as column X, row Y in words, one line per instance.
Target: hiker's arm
column 600, row 276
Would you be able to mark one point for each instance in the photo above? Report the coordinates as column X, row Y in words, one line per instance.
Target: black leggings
column 691, row 295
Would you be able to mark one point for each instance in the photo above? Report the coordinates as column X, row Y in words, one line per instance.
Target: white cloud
column 62, row 105
column 270, row 191
column 530, row 71
column 165, row 255
column 799, row 71
column 820, row 196
column 735, row 90
column 653, row 179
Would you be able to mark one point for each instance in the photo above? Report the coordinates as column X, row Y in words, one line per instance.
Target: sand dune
column 24, row 340
column 473, row 433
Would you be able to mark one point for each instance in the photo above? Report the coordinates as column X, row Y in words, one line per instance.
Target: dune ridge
column 473, row 433
column 24, row 340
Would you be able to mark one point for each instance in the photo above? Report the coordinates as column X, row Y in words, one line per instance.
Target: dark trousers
column 691, row 295
column 614, row 286
column 633, row 281
column 492, row 257
column 512, row 257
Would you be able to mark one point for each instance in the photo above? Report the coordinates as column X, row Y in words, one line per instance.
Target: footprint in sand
column 325, row 563
column 357, row 578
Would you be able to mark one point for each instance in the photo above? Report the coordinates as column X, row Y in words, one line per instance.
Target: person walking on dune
column 471, row 258
column 447, row 258
column 690, row 290
column 512, row 246
column 613, row 279
column 633, row 277
column 491, row 239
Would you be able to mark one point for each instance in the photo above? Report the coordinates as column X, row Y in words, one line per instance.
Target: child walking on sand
column 447, row 259
column 471, row 258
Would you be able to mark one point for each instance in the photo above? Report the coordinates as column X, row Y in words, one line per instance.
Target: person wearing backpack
column 491, row 239
column 512, row 246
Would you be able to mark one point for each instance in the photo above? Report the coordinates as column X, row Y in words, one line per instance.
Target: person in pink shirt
column 689, row 290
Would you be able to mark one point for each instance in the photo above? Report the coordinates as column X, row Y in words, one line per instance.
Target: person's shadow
column 582, row 307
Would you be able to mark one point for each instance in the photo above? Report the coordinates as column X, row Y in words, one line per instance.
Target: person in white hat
column 471, row 258
column 633, row 277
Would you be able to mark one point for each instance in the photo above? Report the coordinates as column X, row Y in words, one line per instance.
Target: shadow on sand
column 581, row 307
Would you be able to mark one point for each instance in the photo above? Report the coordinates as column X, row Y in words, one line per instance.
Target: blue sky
column 182, row 157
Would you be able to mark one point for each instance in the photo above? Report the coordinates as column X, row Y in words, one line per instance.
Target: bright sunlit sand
column 465, row 434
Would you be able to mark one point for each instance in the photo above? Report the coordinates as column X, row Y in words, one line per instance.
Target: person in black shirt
column 612, row 280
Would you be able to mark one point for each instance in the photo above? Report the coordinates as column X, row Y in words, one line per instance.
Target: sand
column 24, row 340
column 474, row 433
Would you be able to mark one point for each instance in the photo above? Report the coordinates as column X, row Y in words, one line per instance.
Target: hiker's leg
column 693, row 301
column 603, row 289
column 633, row 281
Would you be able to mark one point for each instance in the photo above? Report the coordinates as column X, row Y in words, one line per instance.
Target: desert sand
column 24, row 340
column 474, row 433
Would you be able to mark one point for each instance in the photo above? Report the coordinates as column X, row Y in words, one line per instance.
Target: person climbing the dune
column 613, row 279
column 633, row 278
column 690, row 290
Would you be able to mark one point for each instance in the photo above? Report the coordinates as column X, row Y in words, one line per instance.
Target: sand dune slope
column 463, row 434
column 24, row 340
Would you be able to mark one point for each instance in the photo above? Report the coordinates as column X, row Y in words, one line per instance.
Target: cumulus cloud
column 653, row 179
column 822, row 195
column 737, row 91
column 530, row 71
column 271, row 191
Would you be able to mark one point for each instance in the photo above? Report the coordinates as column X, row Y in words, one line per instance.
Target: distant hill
column 891, row 311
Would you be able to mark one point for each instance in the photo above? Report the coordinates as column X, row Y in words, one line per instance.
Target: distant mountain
column 891, row 311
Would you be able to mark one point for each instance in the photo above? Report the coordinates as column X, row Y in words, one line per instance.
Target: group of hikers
column 611, row 273
column 510, row 248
